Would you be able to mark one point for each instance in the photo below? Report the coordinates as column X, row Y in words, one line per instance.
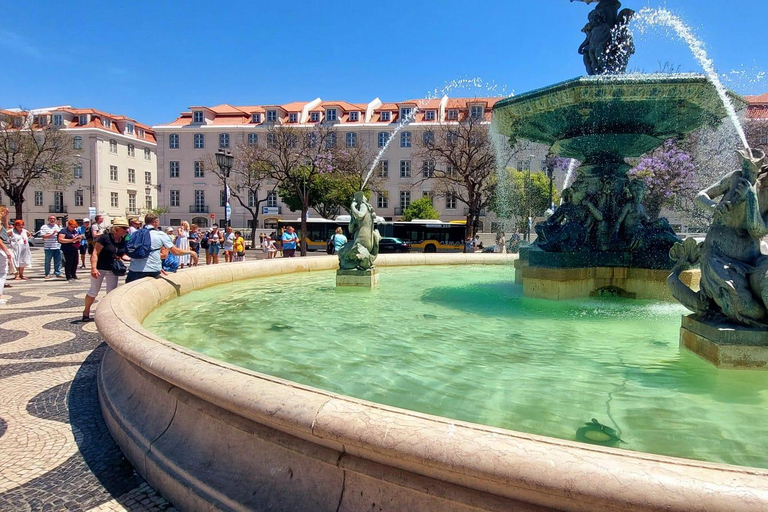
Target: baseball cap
column 86, row 220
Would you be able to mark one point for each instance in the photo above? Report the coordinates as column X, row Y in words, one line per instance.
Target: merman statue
column 361, row 250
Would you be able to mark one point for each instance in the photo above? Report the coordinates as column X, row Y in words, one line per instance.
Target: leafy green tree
column 421, row 209
column 523, row 194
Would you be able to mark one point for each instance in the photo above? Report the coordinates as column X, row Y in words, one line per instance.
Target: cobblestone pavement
column 56, row 453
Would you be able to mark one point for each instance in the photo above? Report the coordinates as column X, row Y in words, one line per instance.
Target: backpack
column 330, row 246
column 204, row 241
column 139, row 246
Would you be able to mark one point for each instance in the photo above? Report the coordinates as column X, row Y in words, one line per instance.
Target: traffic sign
column 213, row 216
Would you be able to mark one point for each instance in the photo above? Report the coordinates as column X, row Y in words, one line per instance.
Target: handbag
column 118, row 267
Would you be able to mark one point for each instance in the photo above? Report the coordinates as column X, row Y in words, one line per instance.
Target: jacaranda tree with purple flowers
column 669, row 174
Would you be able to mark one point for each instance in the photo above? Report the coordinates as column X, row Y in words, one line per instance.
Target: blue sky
column 151, row 60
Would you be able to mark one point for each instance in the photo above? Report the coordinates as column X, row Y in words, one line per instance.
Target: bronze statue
column 360, row 252
column 608, row 42
column 734, row 272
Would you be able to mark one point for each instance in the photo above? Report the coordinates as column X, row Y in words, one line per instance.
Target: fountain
column 211, row 435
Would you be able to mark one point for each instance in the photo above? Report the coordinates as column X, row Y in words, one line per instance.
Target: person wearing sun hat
column 109, row 246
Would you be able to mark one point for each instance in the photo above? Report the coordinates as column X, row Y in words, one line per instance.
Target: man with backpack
column 144, row 249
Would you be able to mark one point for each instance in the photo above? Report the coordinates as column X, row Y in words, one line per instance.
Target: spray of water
column 648, row 17
column 569, row 173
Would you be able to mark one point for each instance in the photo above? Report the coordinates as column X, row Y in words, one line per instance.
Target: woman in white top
column 22, row 256
column 182, row 242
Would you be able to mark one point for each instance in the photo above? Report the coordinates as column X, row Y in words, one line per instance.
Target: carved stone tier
column 358, row 278
column 725, row 345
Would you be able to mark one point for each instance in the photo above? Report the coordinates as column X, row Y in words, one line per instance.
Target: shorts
column 213, row 250
column 90, row 247
column 83, row 248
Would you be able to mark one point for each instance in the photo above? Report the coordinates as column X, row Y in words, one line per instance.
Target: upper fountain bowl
column 604, row 119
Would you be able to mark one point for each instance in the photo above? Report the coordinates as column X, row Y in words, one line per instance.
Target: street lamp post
column 550, row 169
column 225, row 160
column 528, row 200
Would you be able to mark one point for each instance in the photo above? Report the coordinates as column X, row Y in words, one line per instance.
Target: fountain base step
column 580, row 283
column 725, row 345
column 358, row 278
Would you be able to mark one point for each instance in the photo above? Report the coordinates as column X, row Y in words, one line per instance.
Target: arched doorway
column 201, row 222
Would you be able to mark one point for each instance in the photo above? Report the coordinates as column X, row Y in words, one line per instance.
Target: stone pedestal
column 358, row 278
column 725, row 345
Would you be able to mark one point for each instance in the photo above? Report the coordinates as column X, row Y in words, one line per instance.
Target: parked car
column 390, row 244
column 36, row 240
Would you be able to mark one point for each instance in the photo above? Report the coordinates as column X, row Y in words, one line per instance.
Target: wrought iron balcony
column 131, row 211
column 57, row 208
column 198, row 208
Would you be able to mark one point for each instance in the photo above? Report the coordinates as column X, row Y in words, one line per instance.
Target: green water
column 462, row 342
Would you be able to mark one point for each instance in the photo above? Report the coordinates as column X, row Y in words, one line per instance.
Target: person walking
column 50, row 234
column 83, row 230
column 269, row 248
column 5, row 251
column 69, row 238
column 228, row 243
column 22, row 256
column 107, row 248
column 289, row 239
column 182, row 242
column 338, row 240
column 152, row 265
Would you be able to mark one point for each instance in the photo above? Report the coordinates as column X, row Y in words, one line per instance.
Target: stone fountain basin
column 212, row 436
column 608, row 118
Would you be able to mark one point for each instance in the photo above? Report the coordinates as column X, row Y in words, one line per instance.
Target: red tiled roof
column 762, row 98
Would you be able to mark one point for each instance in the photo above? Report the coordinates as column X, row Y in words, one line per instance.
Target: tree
column 460, row 159
column 669, row 174
column 524, row 195
column 336, row 189
column 33, row 154
column 421, row 209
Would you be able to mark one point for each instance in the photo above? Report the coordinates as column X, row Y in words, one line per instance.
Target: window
column 199, row 141
column 174, row 169
column 271, row 116
column 453, row 115
column 147, row 154
column 312, row 139
column 175, row 199
column 405, row 112
column 113, row 173
column 386, row 116
column 223, row 140
column 140, row 133
column 58, row 201
column 148, row 202
column 129, row 129
column 450, row 201
column 430, row 115
column 57, row 120
column 38, row 198
column 763, row 139
column 331, row 115
column 405, row 168
column 197, row 116
column 199, row 171
column 42, row 120
column 384, row 169
column 450, row 171
column 173, row 141
column 428, row 169
column 112, row 146
column 223, row 198
column 354, row 116
column 314, row 117
column 351, row 139
column 330, row 141
column 405, row 140
column 253, row 139
column 428, row 138
column 77, row 142
column 293, row 117
column 256, row 118
column 429, row 194
column 78, row 198
column 405, row 199
column 200, row 200
column 78, row 171
column 83, row 119
column 113, row 199
column 252, row 199
column 131, row 175
column 451, row 138
column 132, row 201
column 271, row 140
column 272, row 199
column 383, row 139
column 476, row 112
column 381, row 200
column 147, row 178
column 107, row 123
column 131, row 150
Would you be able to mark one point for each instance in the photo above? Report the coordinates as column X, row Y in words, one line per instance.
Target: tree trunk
column 253, row 230
column 18, row 204
column 468, row 229
column 303, row 241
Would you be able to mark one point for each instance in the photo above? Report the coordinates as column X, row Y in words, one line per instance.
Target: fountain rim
column 492, row 461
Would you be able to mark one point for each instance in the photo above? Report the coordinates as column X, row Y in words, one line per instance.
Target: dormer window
column 476, row 112
column 197, row 116
column 293, row 117
column 405, row 112
column 83, row 119
column 17, row 122
column 330, row 115
column 385, row 116
column 42, row 120
column 453, row 115
column 57, row 120
column 106, row 122
column 256, row 118
column 430, row 115
column 140, row 133
column 314, row 117
column 354, row 116
column 129, row 129
column 271, row 116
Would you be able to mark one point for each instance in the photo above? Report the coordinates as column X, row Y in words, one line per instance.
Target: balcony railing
column 131, row 211
column 57, row 208
column 198, row 208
